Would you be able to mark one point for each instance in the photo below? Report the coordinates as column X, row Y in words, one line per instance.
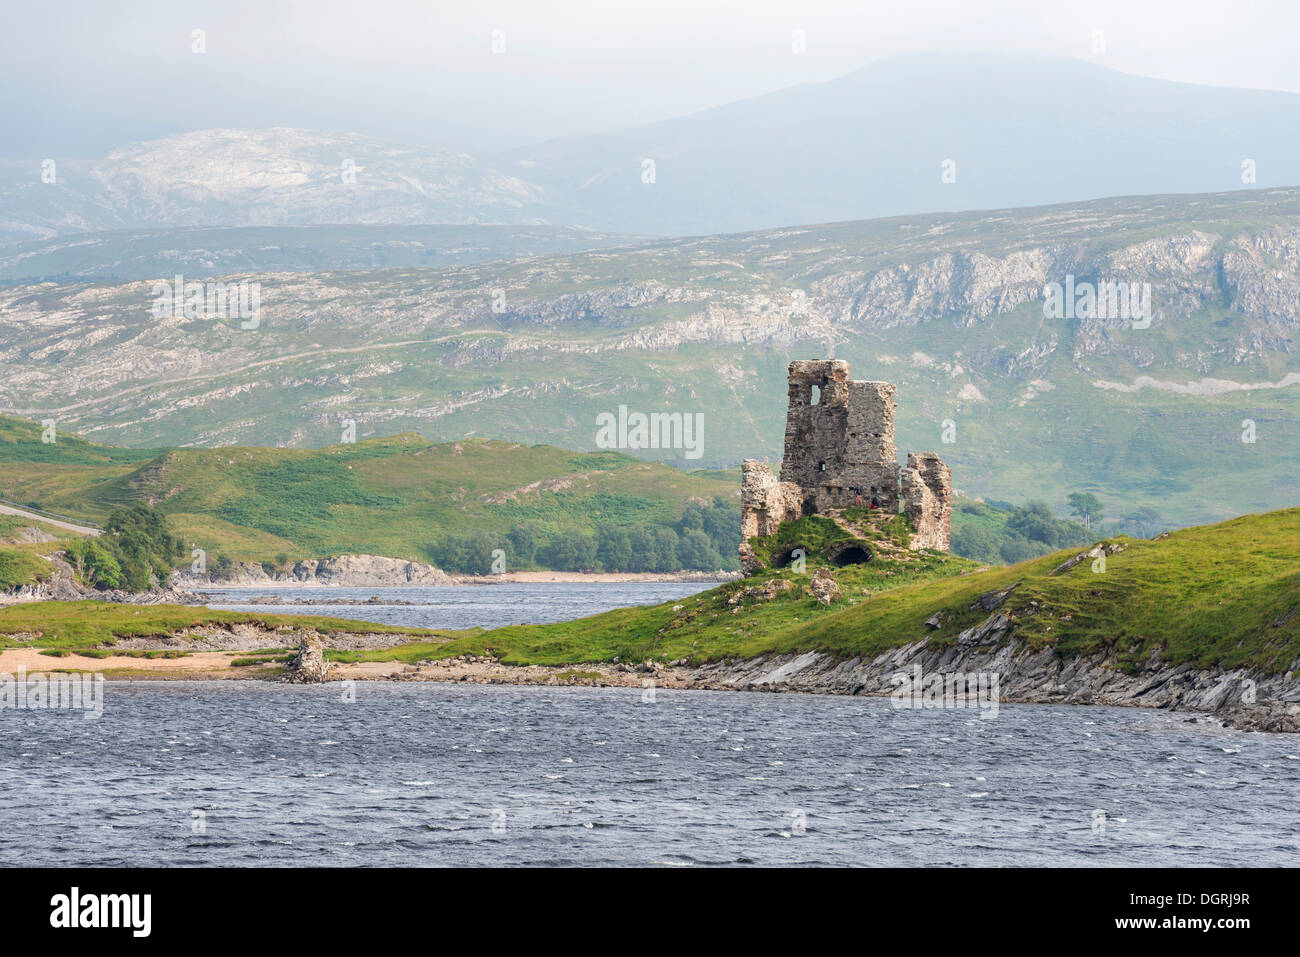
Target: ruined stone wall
column 872, row 458
column 842, row 442
column 765, row 502
column 927, row 488
column 815, row 432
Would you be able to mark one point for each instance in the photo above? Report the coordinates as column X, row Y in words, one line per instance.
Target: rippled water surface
column 459, row 606
column 236, row 772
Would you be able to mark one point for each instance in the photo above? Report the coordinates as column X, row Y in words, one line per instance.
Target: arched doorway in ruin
column 783, row 558
column 852, row 553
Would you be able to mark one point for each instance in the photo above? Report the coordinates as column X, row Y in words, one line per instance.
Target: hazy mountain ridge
column 266, row 177
column 903, row 135
column 1018, row 130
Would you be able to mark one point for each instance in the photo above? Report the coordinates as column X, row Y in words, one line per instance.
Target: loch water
column 259, row 773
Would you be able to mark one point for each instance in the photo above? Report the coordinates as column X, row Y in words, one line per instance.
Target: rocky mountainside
column 1193, row 414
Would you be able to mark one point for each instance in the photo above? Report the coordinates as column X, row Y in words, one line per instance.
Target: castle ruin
column 839, row 453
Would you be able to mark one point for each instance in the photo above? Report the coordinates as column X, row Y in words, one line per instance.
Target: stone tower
column 839, row 437
column 839, row 453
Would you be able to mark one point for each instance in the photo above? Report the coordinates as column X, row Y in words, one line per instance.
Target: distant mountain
column 1021, row 131
column 1195, row 415
column 270, row 177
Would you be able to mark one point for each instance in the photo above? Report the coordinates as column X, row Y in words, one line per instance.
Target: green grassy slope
column 388, row 496
column 82, row 625
column 1225, row 594
column 22, row 562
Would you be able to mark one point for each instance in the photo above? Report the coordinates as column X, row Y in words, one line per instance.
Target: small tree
column 1143, row 519
column 523, row 541
column 977, row 542
column 1087, row 507
column 614, row 549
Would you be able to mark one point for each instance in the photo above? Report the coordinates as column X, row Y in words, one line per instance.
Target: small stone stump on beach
column 309, row 667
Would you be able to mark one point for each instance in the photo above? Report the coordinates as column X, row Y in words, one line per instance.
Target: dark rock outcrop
column 310, row 666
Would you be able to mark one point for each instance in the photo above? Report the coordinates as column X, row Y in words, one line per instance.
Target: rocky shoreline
column 1239, row 699
column 341, row 571
column 1236, row 698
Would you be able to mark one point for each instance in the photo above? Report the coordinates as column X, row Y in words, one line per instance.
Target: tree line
column 1002, row 532
column 135, row 551
column 705, row 538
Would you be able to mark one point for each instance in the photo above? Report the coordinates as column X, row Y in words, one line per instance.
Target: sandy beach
column 217, row 665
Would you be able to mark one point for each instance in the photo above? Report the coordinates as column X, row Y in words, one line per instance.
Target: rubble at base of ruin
column 839, row 453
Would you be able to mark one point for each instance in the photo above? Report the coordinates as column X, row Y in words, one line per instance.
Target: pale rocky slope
column 950, row 308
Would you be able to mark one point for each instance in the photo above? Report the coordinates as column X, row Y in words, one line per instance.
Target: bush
column 469, row 554
column 695, row 551
column 977, row 542
column 571, row 551
column 1018, row 549
column 996, row 532
column 1034, row 521
column 96, row 563
column 614, row 549
column 135, row 549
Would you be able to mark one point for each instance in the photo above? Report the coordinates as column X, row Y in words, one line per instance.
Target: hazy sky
column 80, row 76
